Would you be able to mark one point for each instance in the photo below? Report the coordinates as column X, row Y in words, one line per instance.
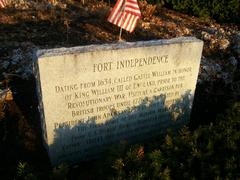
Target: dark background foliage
column 221, row 10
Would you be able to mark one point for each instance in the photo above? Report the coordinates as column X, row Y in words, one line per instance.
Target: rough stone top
column 114, row 46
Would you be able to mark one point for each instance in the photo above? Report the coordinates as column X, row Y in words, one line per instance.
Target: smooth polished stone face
column 94, row 96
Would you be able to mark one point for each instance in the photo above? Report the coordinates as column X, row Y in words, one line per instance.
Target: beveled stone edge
column 114, row 46
column 41, row 112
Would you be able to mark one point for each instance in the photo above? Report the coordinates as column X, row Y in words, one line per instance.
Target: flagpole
column 120, row 33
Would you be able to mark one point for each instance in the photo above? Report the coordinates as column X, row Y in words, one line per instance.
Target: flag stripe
column 118, row 7
column 118, row 14
column 134, row 24
column 120, row 20
column 132, row 4
column 130, row 7
column 115, row 10
column 132, row 1
column 126, row 21
column 125, row 15
column 136, row 13
column 130, row 23
column 117, row 17
column 2, row 3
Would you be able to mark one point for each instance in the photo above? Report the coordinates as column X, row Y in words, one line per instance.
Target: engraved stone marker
column 95, row 96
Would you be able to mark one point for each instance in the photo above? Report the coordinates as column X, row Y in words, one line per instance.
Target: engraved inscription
column 102, row 97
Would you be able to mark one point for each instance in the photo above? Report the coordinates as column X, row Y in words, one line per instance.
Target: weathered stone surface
column 94, row 96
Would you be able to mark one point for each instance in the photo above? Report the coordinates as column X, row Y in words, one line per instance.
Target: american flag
column 125, row 14
column 3, row 3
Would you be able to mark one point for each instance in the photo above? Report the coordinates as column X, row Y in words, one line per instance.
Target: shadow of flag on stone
column 125, row 14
